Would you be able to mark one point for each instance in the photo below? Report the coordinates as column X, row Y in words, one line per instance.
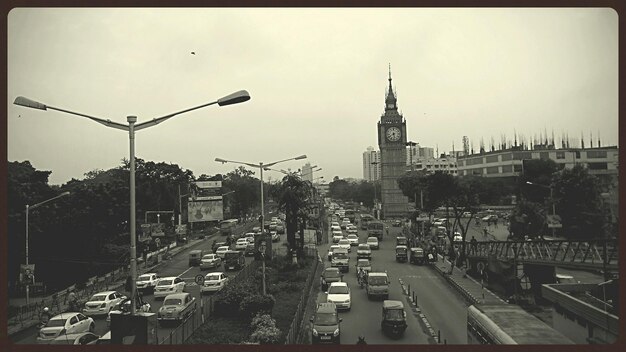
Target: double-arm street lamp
column 261, row 166
column 28, row 208
column 234, row 98
column 375, row 195
column 551, row 198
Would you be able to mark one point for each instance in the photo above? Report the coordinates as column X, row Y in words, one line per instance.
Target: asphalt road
column 444, row 309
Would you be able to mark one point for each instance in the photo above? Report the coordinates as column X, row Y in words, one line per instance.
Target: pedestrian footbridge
column 575, row 254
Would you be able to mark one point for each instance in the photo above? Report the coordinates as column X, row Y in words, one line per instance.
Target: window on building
column 596, row 154
column 493, row 170
column 517, row 168
column 474, row 161
column 560, row 155
column 597, row 166
column 507, row 169
column 507, row 156
column 477, row 172
column 522, row 155
column 544, row 155
column 461, row 162
column 577, row 154
column 492, row 159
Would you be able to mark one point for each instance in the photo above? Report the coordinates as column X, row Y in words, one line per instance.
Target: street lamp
column 551, row 198
column 260, row 166
column 234, row 98
column 411, row 144
column 375, row 195
column 28, row 207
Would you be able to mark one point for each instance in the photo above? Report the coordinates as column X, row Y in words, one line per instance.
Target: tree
column 527, row 219
column 293, row 196
column 538, row 171
column 578, row 202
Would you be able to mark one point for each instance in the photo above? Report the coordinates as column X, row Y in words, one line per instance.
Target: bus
column 227, row 226
column 365, row 219
column 508, row 324
column 375, row 228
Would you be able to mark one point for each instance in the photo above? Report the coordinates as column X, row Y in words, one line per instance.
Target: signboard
column 27, row 274
column 207, row 190
column 209, row 210
column 181, row 229
column 553, row 221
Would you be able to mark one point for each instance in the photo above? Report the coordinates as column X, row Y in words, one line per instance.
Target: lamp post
column 234, row 98
column 28, row 207
column 263, row 248
column 551, row 198
column 411, row 144
column 260, row 166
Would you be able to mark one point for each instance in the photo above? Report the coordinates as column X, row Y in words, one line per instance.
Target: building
column 585, row 313
column 371, row 164
column 416, row 152
column 510, row 162
column 322, row 188
column 307, row 172
column 392, row 145
column 445, row 163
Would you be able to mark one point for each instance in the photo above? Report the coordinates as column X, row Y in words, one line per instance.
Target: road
column 443, row 307
column 178, row 265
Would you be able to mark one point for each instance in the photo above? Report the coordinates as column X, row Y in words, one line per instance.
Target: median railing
column 296, row 324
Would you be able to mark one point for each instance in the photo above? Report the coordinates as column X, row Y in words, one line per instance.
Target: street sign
column 157, row 241
column 199, row 279
column 553, row 221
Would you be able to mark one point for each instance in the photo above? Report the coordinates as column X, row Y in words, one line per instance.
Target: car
column 169, row 285
column 275, row 237
column 102, row 302
column 221, row 250
column 81, row 338
column 334, row 223
column 440, row 222
column 176, row 307
column 249, row 235
column 373, row 242
column 325, row 324
column 147, row 282
column 344, row 243
column 351, row 229
column 250, row 239
column 331, row 249
column 210, row 261
column 339, row 294
column 104, row 339
column 280, row 228
column 256, row 229
column 466, row 214
column 353, row 239
column 344, row 224
column 124, row 307
column 335, row 228
column 377, row 285
column 65, row 323
column 363, row 251
column 491, row 217
column 250, row 250
column 241, row 244
column 337, row 237
column 364, row 264
column 273, row 225
column 217, row 245
column 330, row 275
column 214, row 282
column 457, row 237
column 396, row 223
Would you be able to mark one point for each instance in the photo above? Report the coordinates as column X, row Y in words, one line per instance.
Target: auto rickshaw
column 417, row 256
column 394, row 318
column 432, row 254
column 401, row 254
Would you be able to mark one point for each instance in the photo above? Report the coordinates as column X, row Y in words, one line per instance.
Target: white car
column 337, row 236
column 101, row 303
column 81, row 338
column 457, row 237
column 334, row 223
column 221, row 250
column 214, row 282
column 353, row 239
column 352, row 229
column 339, row 294
column 344, row 243
column 147, row 281
column 210, row 261
column 241, row 244
column 372, row 242
column 169, row 285
column 335, row 228
column 65, row 323
column 344, row 224
column 331, row 249
column 124, row 306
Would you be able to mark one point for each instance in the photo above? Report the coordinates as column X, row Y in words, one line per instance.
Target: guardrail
column 293, row 334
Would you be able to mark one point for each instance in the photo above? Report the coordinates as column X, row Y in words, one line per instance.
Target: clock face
column 393, row 134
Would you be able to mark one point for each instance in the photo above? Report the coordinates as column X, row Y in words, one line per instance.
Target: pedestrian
column 485, row 232
column 474, row 245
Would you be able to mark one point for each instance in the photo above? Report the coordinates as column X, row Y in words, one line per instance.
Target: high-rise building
column 417, row 153
column 371, row 172
column 392, row 145
column 307, row 172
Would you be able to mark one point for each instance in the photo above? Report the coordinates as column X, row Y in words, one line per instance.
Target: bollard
column 409, row 288
column 438, row 336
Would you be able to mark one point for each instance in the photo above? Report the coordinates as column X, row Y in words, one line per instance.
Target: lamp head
column 528, row 182
column 300, row 157
column 235, row 98
column 219, row 160
column 66, row 193
column 22, row 101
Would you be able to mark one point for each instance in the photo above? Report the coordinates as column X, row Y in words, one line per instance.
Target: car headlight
column 336, row 332
column 103, row 305
column 315, row 332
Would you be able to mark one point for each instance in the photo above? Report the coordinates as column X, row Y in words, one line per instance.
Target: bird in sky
column 193, row 53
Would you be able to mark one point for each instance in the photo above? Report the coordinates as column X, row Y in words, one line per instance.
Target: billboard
column 208, row 190
column 206, row 210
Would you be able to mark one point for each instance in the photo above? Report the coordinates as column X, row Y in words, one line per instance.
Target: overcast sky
column 317, row 80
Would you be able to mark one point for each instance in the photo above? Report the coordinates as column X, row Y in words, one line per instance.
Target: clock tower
column 392, row 141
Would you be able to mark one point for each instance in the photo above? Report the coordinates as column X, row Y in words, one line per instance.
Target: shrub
column 221, row 331
column 229, row 299
column 265, row 330
column 252, row 305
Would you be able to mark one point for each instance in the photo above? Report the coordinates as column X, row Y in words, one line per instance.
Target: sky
column 317, row 80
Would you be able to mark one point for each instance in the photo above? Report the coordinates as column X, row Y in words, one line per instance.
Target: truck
column 375, row 229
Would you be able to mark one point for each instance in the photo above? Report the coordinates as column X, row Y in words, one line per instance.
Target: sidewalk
column 15, row 325
column 467, row 286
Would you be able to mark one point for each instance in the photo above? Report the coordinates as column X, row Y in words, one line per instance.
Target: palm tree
column 293, row 195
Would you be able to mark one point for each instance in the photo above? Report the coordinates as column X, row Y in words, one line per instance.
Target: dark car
column 325, row 327
column 397, row 223
column 330, row 275
column 234, row 260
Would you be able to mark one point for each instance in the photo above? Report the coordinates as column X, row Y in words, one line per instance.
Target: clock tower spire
column 391, row 100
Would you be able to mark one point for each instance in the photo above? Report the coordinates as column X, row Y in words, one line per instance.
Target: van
column 234, row 260
column 377, row 285
column 195, row 257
